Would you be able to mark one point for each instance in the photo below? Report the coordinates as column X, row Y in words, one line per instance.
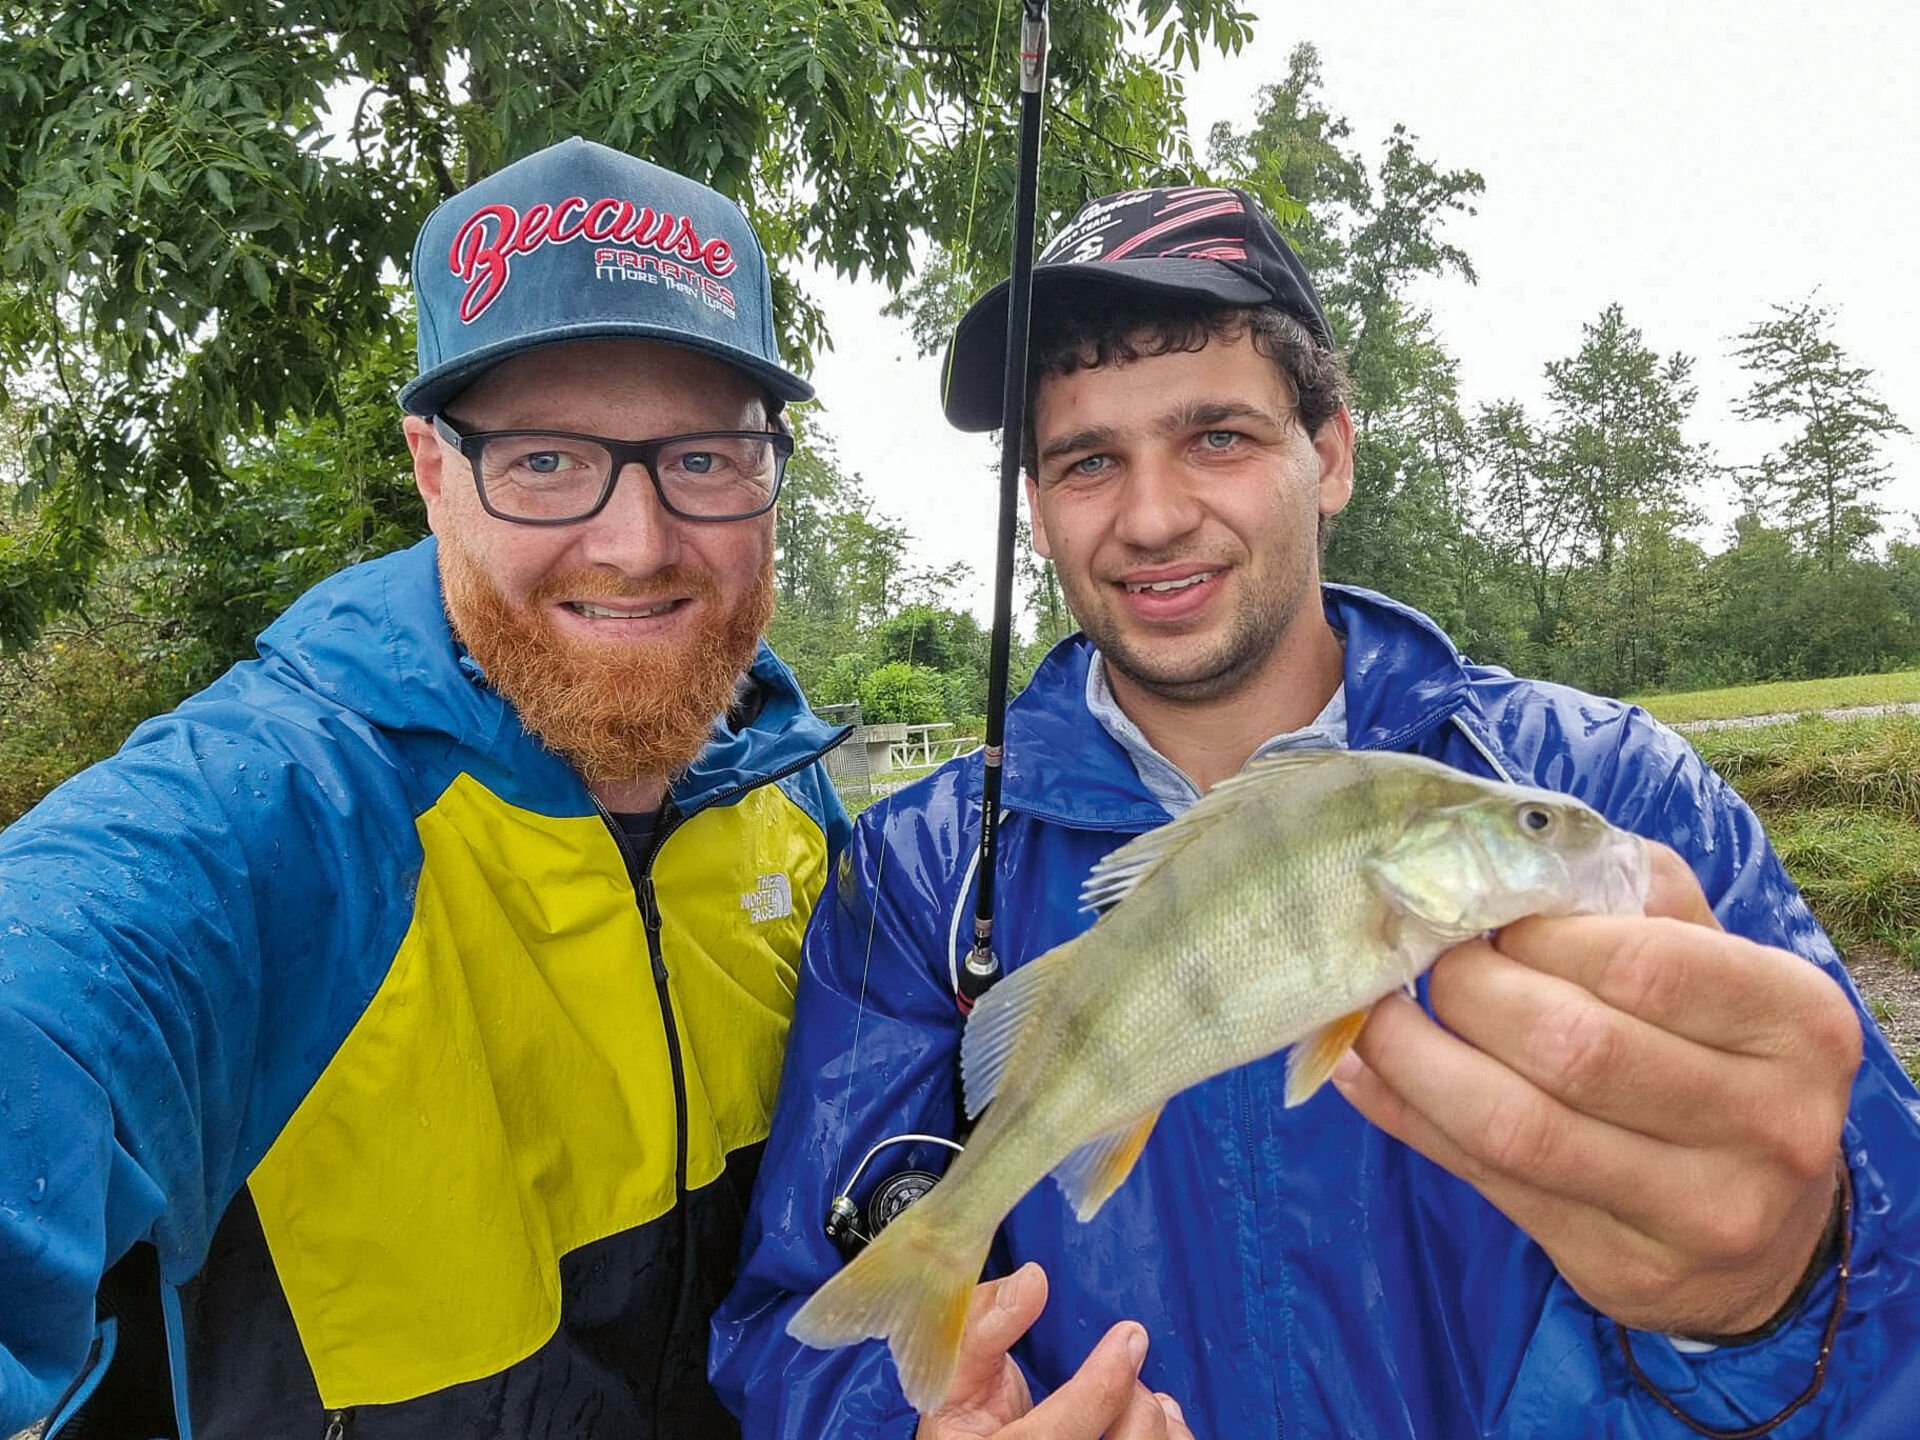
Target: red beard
column 618, row 712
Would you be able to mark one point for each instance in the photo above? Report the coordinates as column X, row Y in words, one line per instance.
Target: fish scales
column 1274, row 913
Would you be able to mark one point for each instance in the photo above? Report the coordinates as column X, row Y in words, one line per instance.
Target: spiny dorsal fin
column 1115, row 877
column 1094, row 1171
column 995, row 1026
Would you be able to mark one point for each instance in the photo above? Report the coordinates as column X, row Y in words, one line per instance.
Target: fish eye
column 1536, row 818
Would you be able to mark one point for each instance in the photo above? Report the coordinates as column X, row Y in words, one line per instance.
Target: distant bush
column 901, row 694
column 72, row 700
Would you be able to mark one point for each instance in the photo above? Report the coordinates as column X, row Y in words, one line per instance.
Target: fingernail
column 1170, row 1406
column 1347, row 1070
column 1137, row 1346
column 1009, row 1296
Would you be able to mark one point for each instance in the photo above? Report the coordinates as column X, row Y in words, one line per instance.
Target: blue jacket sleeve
column 139, row 899
column 1575, row 1365
column 872, row 1055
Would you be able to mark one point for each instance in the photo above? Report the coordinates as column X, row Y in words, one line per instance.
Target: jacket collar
column 1403, row 680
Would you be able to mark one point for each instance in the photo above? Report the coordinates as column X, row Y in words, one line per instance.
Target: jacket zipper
column 641, row 872
column 339, row 1424
column 1259, row 1250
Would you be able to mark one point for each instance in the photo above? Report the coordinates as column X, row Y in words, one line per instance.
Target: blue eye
column 543, row 462
column 697, row 462
column 1220, row 439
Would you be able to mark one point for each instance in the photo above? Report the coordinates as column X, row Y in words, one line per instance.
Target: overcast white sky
column 1697, row 162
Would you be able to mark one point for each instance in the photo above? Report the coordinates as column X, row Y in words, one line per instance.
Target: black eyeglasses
column 549, row 477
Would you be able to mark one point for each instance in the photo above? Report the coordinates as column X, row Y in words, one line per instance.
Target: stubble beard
column 618, row 712
column 1194, row 675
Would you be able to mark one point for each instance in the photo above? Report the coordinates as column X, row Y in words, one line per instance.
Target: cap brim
column 427, row 394
column 973, row 380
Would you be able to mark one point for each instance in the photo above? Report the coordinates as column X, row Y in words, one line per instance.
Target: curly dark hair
column 1079, row 328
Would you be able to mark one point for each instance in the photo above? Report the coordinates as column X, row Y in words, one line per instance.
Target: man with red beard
column 388, row 1036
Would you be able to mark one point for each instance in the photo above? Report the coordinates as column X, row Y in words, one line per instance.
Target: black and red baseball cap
column 1201, row 241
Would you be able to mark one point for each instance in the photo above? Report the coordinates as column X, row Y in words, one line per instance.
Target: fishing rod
column 845, row 1224
column 981, row 968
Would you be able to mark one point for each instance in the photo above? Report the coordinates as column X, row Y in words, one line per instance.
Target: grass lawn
column 1841, row 802
column 1784, row 697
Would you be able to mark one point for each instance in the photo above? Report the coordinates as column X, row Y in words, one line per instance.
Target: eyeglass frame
column 622, row 453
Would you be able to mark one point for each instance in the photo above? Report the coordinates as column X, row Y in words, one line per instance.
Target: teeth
column 1160, row 587
column 599, row 612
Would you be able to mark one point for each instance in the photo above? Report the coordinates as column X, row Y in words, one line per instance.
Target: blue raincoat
column 1300, row 1273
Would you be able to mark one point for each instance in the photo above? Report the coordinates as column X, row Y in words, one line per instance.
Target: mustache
column 594, row 582
column 1160, row 559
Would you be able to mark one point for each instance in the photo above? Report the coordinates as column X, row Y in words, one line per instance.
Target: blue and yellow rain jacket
column 416, row 1103
column 1300, row 1274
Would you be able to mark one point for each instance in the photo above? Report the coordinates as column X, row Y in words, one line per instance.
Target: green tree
column 1616, row 447
column 838, row 570
column 1823, row 478
column 1366, row 236
column 1526, row 520
column 198, row 202
column 1620, row 471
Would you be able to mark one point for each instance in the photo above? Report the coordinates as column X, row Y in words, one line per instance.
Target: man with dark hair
column 1624, row 1176
column 388, row 1035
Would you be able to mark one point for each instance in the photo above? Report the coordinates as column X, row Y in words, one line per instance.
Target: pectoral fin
column 1313, row 1059
column 1094, row 1171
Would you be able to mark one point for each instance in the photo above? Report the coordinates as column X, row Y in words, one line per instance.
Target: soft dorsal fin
column 1115, row 877
column 996, row 1023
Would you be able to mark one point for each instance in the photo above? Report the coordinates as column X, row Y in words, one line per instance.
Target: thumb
column 1674, row 890
column 997, row 1316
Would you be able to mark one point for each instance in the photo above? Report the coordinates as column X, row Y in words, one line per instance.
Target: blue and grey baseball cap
column 581, row 242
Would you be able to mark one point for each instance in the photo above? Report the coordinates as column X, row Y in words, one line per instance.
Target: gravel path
column 1891, row 988
column 1848, row 712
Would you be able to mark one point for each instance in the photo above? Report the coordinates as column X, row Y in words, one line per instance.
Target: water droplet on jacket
column 424, row 1122
column 39, row 1189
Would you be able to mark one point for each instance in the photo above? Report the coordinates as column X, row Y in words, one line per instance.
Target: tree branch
column 1104, row 139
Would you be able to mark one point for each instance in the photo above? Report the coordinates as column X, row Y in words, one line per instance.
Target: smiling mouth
column 1161, row 587
column 602, row 612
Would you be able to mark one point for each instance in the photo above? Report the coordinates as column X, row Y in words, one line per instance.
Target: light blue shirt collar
column 1166, row 781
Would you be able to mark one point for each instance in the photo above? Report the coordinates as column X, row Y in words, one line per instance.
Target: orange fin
column 1093, row 1172
column 912, row 1286
column 1313, row 1059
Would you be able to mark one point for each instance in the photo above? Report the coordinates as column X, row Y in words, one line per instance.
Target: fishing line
column 981, row 970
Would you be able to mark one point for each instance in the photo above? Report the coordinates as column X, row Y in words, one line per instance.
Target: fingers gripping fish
column 1274, row 913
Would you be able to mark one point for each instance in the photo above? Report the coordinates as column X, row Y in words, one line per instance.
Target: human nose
column 634, row 531
column 1159, row 505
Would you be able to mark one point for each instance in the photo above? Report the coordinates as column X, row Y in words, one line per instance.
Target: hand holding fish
column 990, row 1396
column 1657, row 1103
column 1273, row 914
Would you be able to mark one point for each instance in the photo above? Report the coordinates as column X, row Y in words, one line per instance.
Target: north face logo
column 771, row 899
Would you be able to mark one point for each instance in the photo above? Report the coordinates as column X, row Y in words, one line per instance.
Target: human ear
column 429, row 461
column 1333, row 443
column 1039, row 526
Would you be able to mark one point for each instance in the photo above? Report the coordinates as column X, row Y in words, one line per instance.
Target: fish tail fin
column 910, row 1287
